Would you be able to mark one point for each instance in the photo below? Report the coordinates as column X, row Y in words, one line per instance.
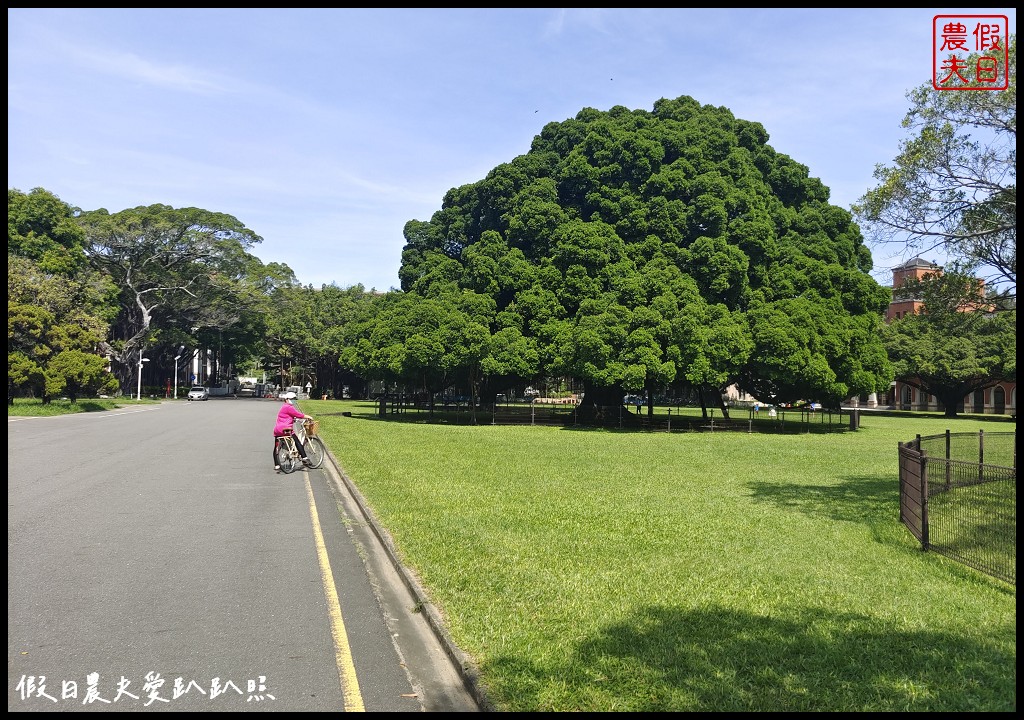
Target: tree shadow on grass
column 87, row 406
column 874, row 502
column 855, row 499
column 712, row 660
column 871, row 501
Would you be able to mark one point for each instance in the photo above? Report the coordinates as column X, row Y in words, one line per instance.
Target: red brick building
column 916, row 269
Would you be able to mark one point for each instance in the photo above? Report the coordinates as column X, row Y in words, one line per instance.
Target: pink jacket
column 285, row 416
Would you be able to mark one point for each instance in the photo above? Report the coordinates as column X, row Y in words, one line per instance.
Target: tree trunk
column 474, row 391
column 950, row 401
column 724, row 408
column 712, row 396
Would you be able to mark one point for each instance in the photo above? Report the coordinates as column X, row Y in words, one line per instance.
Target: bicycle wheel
column 284, row 457
column 315, row 451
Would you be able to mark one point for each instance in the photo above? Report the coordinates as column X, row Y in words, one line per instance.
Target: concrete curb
column 466, row 668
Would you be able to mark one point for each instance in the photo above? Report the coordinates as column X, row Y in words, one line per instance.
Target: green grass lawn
column 595, row 570
column 34, row 407
column 588, row 570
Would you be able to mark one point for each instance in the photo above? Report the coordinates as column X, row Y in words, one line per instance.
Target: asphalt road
column 156, row 562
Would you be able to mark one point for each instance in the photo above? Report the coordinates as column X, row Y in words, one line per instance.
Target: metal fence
column 958, row 497
column 679, row 418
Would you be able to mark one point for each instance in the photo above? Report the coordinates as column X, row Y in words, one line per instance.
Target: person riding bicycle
column 286, row 417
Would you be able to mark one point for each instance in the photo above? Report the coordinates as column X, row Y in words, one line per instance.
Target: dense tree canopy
column 179, row 272
column 58, row 310
column 631, row 249
column 42, row 228
column 308, row 333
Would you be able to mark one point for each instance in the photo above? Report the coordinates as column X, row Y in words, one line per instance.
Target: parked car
column 198, row 393
column 291, row 389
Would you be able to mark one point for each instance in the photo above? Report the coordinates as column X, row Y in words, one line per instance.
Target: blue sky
column 325, row 131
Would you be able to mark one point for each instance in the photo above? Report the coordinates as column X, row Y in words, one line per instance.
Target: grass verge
column 33, row 407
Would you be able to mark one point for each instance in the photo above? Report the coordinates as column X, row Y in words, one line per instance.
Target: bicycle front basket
column 312, row 427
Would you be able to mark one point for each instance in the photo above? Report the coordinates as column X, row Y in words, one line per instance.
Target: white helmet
column 288, row 397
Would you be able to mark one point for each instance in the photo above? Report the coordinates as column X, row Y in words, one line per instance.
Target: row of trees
column 629, row 250
column 66, row 326
column 89, row 292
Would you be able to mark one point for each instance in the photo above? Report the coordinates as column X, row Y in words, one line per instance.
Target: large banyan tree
column 635, row 250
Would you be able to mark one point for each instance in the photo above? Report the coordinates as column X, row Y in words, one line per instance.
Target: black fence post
column 981, row 456
column 924, row 495
column 949, row 465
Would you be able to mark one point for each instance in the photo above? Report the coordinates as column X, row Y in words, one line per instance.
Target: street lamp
column 176, row 359
column 138, row 393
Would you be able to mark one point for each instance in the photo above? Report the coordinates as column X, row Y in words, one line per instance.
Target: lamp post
column 176, row 359
column 138, row 393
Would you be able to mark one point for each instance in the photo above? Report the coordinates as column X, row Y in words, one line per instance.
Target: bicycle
column 287, row 452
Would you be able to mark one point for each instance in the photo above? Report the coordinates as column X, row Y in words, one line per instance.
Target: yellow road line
column 342, row 651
